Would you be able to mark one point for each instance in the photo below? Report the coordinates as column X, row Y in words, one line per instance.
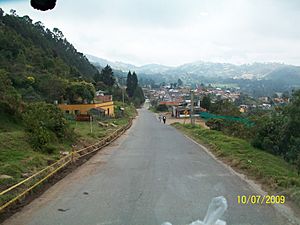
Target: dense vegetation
column 275, row 131
column 41, row 64
column 279, row 132
column 37, row 68
column 134, row 91
column 45, row 124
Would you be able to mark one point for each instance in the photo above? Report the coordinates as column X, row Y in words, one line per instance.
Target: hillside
column 40, row 63
column 287, row 74
column 38, row 67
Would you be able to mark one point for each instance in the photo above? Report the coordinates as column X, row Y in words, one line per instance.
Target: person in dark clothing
column 164, row 119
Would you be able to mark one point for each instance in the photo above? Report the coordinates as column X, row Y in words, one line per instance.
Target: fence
column 18, row 192
column 207, row 116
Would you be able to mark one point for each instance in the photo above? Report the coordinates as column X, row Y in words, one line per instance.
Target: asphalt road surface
column 150, row 175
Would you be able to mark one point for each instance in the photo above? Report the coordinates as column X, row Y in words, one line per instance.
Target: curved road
column 150, row 175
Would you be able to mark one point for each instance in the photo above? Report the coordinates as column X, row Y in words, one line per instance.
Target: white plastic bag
column 216, row 209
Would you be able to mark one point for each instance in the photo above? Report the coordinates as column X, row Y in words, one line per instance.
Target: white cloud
column 173, row 32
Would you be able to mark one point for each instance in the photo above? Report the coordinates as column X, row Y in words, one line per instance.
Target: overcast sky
column 174, row 32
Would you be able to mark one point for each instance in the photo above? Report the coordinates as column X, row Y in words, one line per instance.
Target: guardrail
column 19, row 191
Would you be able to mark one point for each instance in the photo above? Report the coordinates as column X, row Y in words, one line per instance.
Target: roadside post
column 192, row 109
column 91, row 123
column 186, row 113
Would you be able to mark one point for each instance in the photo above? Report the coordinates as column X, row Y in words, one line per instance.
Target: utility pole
column 123, row 96
column 192, row 108
column 123, row 90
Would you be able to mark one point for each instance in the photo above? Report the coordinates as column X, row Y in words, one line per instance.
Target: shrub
column 215, row 124
column 162, row 108
column 45, row 123
column 232, row 128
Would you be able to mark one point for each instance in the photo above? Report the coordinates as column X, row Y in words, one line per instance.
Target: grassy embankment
column 18, row 159
column 276, row 175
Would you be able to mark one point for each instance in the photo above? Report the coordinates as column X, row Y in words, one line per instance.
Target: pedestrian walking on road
column 164, row 119
column 160, row 118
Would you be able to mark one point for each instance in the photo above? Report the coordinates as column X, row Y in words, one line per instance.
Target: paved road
column 150, row 175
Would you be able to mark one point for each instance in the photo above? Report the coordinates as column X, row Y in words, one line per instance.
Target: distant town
column 178, row 98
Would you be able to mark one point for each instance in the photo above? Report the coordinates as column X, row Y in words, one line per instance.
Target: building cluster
column 178, row 99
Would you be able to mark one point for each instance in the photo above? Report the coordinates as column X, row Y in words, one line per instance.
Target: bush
column 232, row 128
column 45, row 123
column 162, row 108
column 279, row 132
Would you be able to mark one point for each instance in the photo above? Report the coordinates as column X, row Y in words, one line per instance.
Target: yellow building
column 107, row 107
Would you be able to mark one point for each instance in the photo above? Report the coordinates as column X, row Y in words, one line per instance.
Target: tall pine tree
column 107, row 76
column 132, row 83
column 129, row 89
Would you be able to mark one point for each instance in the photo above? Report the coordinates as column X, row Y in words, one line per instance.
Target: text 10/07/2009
column 260, row 199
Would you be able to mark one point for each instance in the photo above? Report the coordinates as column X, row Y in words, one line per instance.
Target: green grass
column 83, row 131
column 153, row 109
column 275, row 174
column 130, row 110
column 17, row 156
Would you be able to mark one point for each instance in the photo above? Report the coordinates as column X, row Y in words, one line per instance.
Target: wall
column 84, row 108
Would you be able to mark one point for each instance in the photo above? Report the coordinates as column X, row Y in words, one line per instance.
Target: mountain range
column 201, row 69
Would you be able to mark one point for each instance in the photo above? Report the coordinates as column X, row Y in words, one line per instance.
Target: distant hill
column 286, row 74
column 200, row 69
column 146, row 69
column 256, row 79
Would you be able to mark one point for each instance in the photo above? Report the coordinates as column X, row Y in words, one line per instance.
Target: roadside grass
column 90, row 132
column 130, row 110
column 276, row 175
column 18, row 159
column 83, row 131
column 153, row 109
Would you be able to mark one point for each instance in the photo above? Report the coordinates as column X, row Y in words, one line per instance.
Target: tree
column 179, row 82
column 80, row 92
column 10, row 99
column 286, row 95
column 162, row 108
column 1, row 12
column 130, row 84
column 13, row 12
column 269, row 134
column 53, row 88
column 292, row 131
column 134, row 91
column 206, row 102
column 107, row 76
column 138, row 97
column 279, row 132
column 58, row 34
column 44, row 123
column 135, row 81
column 225, row 107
